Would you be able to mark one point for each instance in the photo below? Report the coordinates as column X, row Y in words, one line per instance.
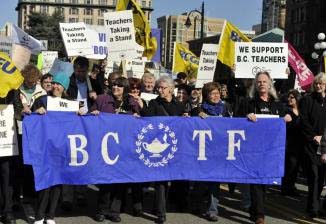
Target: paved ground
column 279, row 209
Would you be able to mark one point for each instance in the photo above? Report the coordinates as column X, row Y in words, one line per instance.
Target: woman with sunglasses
column 118, row 101
column 294, row 145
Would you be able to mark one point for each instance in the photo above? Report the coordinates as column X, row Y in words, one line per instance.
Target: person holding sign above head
column 263, row 101
column 117, row 102
column 48, row 198
column 212, row 106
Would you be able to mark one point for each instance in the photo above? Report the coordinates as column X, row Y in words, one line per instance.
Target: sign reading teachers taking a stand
column 76, row 39
column 121, row 35
column 207, row 64
column 8, row 134
column 251, row 58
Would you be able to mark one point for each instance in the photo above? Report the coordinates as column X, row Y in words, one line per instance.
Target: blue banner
column 65, row 148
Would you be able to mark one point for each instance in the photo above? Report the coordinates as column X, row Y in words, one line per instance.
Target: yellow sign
column 10, row 76
column 184, row 61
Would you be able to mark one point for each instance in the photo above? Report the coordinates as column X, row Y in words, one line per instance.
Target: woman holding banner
column 48, row 198
column 212, row 106
column 164, row 105
column 263, row 100
column 117, row 102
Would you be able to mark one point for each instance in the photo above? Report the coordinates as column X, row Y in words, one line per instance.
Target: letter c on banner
column 105, row 153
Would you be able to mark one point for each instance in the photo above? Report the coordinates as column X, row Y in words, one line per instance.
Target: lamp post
column 202, row 13
column 320, row 50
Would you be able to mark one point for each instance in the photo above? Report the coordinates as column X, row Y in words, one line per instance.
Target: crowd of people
column 304, row 114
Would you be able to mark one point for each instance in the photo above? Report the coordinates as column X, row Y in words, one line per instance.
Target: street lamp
column 202, row 13
column 320, row 50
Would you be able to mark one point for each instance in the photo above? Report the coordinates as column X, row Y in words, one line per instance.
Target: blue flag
column 64, row 148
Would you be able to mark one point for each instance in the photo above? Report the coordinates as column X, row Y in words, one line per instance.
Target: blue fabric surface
column 151, row 149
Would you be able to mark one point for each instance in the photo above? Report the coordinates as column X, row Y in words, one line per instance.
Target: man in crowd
column 313, row 122
column 148, row 83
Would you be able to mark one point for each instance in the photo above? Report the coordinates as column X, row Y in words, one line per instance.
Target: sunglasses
column 118, row 85
column 135, row 87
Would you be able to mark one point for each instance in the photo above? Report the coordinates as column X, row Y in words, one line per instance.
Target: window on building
column 31, row 8
column 143, row 4
column 103, row 2
column 88, row 12
column 150, row 4
column 101, row 12
column 100, row 22
column 44, row 9
column 114, row 2
column 73, row 20
column 59, row 1
column 174, row 25
column 88, row 21
column 60, row 10
column 73, row 11
column 74, row 1
column 88, row 2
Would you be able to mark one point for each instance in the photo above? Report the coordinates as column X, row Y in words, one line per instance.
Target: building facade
column 304, row 20
column 273, row 14
column 174, row 30
column 88, row 11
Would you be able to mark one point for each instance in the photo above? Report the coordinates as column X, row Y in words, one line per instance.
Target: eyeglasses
column 291, row 97
column 118, row 85
column 135, row 87
column 162, row 87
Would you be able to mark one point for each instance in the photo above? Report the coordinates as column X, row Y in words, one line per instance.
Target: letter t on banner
column 202, row 142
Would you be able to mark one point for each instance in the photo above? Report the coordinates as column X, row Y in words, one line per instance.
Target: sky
column 242, row 13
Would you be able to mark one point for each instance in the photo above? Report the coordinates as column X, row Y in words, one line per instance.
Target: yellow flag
column 230, row 35
column 10, row 77
column 142, row 27
column 184, row 61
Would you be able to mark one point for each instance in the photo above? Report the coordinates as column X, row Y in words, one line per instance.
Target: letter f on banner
column 232, row 144
column 74, row 150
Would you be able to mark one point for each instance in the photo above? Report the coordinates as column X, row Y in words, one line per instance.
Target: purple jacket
column 106, row 103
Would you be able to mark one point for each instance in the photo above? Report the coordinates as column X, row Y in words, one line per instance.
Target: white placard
column 121, row 35
column 76, row 39
column 266, row 116
column 6, row 45
column 135, row 68
column 48, row 58
column 59, row 104
column 111, row 66
column 8, row 134
column 61, row 67
column 98, row 39
column 207, row 64
column 45, row 44
column 251, row 58
column 148, row 96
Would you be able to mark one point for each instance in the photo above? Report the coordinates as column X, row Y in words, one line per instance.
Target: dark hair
column 208, row 88
column 81, row 62
column 96, row 66
column 31, row 73
column 184, row 87
column 123, row 82
column 134, row 82
column 296, row 94
column 181, row 75
column 47, row 75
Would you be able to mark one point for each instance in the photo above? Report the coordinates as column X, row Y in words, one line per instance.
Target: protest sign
column 251, row 58
column 45, row 60
column 98, row 39
column 6, row 45
column 20, row 56
column 76, row 39
column 111, row 66
column 65, row 148
column 148, row 96
column 207, row 64
column 135, row 68
column 121, row 35
column 61, row 67
column 304, row 76
column 8, row 134
column 59, row 104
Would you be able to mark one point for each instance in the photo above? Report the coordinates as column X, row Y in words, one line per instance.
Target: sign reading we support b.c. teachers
column 251, row 58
